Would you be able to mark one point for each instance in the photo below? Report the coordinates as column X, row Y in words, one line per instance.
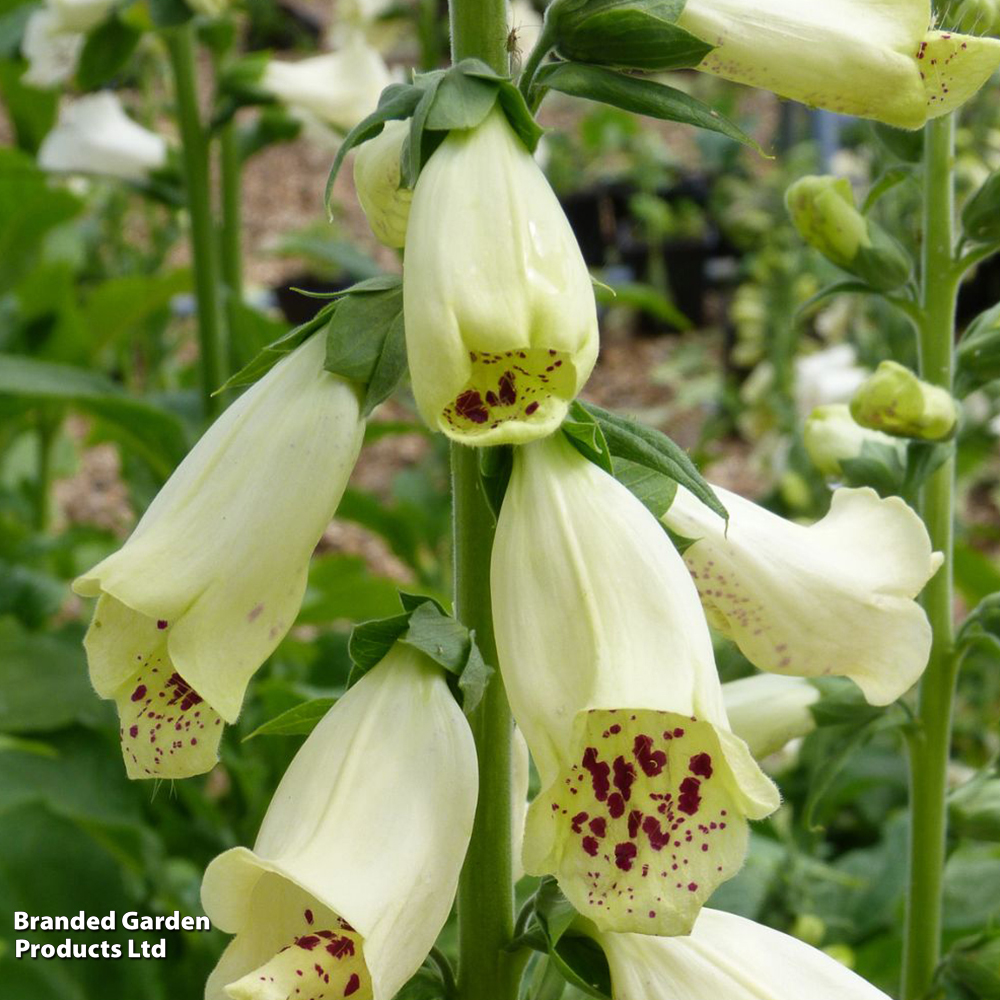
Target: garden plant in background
column 693, row 674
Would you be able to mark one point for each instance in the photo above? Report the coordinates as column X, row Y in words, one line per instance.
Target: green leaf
column 651, row 449
column 157, row 435
column 877, row 465
column 474, row 678
column 298, row 721
column 31, row 596
column 981, row 215
column 644, row 97
column 170, row 13
column 655, row 490
column 418, row 146
column 889, row 179
column 522, row 121
column 30, row 110
column 978, row 355
column 630, row 34
column 974, row 808
column 397, row 101
column 904, row 144
column 275, row 351
column 445, row 640
column 43, row 681
column 12, row 24
column 107, row 49
column 585, row 434
column 370, row 641
column 461, row 100
column 366, row 342
column 344, row 588
column 982, row 627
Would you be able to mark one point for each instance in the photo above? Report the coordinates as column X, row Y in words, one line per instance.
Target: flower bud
column 645, row 791
column 378, row 182
column 356, row 864
column 832, row 437
column 822, row 209
column 894, row 400
column 501, row 323
column 783, row 591
column 213, row 575
column 873, row 60
column 767, row 711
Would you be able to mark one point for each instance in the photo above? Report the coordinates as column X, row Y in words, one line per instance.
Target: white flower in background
column 768, row 711
column 727, row 957
column 501, row 324
column 339, row 88
column 608, row 665
column 831, row 437
column 52, row 52
column 834, row 598
column 357, row 861
column 873, row 58
column 213, row 575
column 828, row 376
column 54, row 36
column 95, row 136
column 378, row 183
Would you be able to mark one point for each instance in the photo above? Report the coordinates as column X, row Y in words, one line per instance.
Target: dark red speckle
column 651, row 761
column 701, row 764
column 625, row 855
column 353, row 985
column 139, row 693
column 161, row 624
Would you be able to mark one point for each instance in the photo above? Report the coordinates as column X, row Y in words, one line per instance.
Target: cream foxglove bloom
column 501, row 324
column 379, row 186
column 95, row 136
column 645, row 790
column 873, row 58
column 836, row 597
column 339, row 88
column 213, row 575
column 767, row 711
column 828, row 376
column 727, row 958
column 356, row 864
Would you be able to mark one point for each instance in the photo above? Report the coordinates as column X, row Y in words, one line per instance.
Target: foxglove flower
column 95, row 136
column 836, row 597
column 339, row 88
column 54, row 36
column 826, row 377
column 872, row 58
column 213, row 575
column 608, row 665
column 355, row 867
column 727, row 957
column 767, row 711
column 501, row 324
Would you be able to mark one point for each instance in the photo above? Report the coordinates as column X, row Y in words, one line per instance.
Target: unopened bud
column 823, row 211
column 378, row 182
column 894, row 400
column 832, row 437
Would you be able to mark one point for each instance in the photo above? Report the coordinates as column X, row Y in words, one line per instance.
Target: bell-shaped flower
column 356, row 863
column 767, row 711
column 379, row 186
column 894, row 400
column 339, row 88
column 727, row 957
column 212, row 577
column 607, row 661
column 832, row 437
column 872, row 58
column 501, row 324
column 95, row 136
column 828, row 376
column 833, row 598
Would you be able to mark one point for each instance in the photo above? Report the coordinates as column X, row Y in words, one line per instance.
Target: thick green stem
column 930, row 744
column 181, row 45
column 479, row 31
column 485, row 892
column 231, row 231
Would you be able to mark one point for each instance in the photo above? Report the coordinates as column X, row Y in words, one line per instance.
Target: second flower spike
column 646, row 792
column 357, row 860
column 501, row 324
column 213, row 575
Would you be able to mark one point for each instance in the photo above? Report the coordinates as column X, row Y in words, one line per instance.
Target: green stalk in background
column 181, row 45
column 931, row 741
column 485, row 893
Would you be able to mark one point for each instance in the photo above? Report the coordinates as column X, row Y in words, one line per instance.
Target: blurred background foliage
column 712, row 333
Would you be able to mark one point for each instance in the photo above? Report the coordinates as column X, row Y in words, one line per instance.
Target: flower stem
column 931, row 741
column 485, row 891
column 181, row 46
column 230, row 232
